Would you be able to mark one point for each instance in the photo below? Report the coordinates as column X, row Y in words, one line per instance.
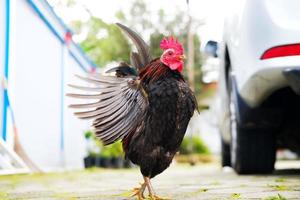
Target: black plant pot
column 117, row 162
column 98, row 161
column 105, row 162
column 89, row 161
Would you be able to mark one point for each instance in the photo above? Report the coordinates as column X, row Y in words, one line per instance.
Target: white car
column 259, row 83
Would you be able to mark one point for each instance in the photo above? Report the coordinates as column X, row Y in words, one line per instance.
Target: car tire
column 254, row 152
column 225, row 156
column 251, row 150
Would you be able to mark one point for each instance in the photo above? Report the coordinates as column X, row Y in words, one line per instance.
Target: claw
column 139, row 192
column 152, row 195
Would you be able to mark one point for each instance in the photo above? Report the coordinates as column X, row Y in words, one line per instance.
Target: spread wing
column 119, row 108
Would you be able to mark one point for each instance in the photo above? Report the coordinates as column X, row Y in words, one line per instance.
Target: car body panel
column 256, row 27
column 250, row 28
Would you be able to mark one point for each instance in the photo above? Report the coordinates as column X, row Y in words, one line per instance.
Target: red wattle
column 176, row 66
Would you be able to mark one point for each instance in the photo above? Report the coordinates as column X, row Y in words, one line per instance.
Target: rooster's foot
column 139, row 192
column 152, row 195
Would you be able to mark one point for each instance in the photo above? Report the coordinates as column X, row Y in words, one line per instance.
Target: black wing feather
column 144, row 56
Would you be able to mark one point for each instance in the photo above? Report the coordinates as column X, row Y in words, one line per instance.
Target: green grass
column 278, row 197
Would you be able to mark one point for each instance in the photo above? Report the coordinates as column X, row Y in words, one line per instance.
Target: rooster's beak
column 181, row 57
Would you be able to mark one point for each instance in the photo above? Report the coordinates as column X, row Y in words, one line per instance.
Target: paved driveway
column 205, row 181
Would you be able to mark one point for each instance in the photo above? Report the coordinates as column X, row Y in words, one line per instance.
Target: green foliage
column 94, row 145
column 88, row 134
column 176, row 25
column 97, row 148
column 194, row 144
column 113, row 150
column 104, row 42
column 105, row 153
column 155, row 39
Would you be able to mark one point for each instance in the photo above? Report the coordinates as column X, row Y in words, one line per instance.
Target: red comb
column 171, row 43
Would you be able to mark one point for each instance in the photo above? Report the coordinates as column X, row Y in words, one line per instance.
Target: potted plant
column 98, row 146
column 105, row 157
column 90, row 159
column 193, row 150
column 117, row 155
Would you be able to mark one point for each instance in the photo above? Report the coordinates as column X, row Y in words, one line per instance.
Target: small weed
column 126, row 194
column 203, row 190
column 236, row 196
column 197, row 192
column 278, row 197
column 279, row 187
column 279, row 180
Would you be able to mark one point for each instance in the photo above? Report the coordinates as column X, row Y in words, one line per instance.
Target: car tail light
column 281, row 51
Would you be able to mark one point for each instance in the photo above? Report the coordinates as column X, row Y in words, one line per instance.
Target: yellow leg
column 152, row 195
column 139, row 191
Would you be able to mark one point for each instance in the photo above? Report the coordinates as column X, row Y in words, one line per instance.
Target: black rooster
column 149, row 110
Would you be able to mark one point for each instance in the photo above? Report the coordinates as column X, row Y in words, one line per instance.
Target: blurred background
column 45, row 42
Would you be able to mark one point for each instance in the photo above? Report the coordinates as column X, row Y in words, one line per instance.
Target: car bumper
column 292, row 75
column 271, row 76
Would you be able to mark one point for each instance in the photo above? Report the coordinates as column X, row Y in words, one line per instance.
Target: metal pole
column 190, row 52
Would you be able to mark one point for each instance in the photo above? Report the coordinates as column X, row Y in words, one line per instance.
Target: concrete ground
column 206, row 181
